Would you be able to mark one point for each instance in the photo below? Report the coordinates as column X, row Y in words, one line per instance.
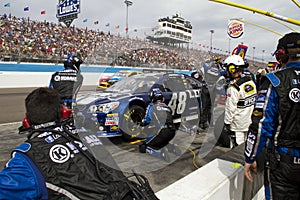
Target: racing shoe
column 162, row 153
column 174, row 149
column 165, row 154
column 142, row 148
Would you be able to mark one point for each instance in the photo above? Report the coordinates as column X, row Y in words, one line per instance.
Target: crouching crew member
column 159, row 115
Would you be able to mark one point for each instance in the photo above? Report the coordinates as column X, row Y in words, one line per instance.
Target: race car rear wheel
column 132, row 119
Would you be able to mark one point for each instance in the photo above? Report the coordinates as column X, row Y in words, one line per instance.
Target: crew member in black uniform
column 276, row 124
column 205, row 101
column 159, row 115
column 54, row 163
column 68, row 81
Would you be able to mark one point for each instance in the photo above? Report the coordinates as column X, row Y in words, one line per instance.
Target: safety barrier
column 222, row 178
column 20, row 75
column 219, row 179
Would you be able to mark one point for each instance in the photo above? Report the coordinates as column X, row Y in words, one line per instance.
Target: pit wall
column 20, row 75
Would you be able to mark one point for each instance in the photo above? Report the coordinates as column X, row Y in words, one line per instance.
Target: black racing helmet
column 73, row 61
column 156, row 95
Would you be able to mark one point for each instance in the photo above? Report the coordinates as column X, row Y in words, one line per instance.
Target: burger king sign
column 235, row 29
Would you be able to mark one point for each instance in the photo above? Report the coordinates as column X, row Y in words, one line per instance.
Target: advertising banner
column 67, row 11
column 235, row 29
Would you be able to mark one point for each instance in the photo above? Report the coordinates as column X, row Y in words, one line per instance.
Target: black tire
column 221, row 136
column 131, row 124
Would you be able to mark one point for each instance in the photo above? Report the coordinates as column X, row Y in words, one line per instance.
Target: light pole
column 253, row 56
column 229, row 46
column 211, row 33
column 128, row 3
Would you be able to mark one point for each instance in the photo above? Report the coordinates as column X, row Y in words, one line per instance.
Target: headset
column 290, row 40
column 281, row 55
column 65, row 113
column 233, row 68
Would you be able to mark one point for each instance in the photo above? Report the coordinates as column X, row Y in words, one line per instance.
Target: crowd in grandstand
column 26, row 40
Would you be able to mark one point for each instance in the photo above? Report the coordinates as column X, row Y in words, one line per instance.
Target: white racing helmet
column 234, row 63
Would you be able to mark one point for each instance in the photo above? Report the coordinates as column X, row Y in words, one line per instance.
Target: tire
column 221, row 136
column 130, row 125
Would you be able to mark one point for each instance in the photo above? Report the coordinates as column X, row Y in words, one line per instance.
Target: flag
column 118, row 26
column 85, row 20
column 107, row 24
column 96, row 22
column 43, row 12
column 26, row 8
column 7, row 5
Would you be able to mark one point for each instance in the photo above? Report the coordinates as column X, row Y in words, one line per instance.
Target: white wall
column 38, row 79
column 219, row 179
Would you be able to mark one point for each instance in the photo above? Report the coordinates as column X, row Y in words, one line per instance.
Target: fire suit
column 68, row 83
column 240, row 100
column 276, row 125
column 53, row 165
column 159, row 115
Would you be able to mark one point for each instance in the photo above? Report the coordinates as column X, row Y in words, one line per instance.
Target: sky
column 204, row 16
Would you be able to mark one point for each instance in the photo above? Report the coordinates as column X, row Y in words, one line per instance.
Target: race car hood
column 85, row 98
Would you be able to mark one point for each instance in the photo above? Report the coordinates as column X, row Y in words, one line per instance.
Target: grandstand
column 24, row 40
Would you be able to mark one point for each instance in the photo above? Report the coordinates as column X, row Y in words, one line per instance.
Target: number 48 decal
column 179, row 107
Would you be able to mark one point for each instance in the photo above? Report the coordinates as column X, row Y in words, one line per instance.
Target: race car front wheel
column 132, row 119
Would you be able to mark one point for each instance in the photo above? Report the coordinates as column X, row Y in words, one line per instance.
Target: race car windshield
column 133, row 84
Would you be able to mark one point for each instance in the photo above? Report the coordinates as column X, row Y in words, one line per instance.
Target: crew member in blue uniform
column 276, row 124
column 159, row 115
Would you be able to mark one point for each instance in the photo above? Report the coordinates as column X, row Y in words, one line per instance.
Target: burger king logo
column 235, row 29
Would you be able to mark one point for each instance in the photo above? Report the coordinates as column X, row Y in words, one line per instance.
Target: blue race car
column 119, row 109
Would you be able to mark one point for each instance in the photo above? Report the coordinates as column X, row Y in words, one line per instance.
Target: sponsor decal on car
column 114, row 128
column 109, row 121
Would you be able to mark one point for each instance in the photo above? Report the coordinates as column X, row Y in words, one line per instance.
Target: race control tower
column 171, row 31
